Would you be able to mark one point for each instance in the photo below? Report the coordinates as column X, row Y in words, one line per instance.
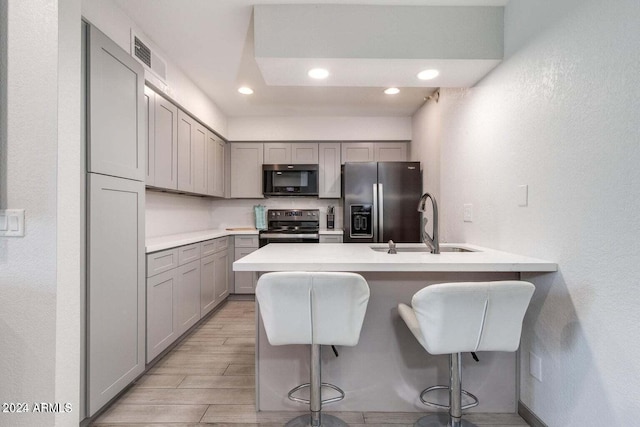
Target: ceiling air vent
column 152, row 62
column 141, row 51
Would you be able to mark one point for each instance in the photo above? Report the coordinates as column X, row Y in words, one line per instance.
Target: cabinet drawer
column 246, row 241
column 188, row 253
column 242, row 252
column 160, row 262
column 214, row 245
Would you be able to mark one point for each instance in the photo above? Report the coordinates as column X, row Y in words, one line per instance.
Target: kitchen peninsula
column 388, row 369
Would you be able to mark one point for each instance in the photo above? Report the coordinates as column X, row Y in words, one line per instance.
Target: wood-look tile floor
column 208, row 379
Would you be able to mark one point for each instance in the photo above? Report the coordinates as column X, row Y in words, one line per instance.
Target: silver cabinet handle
column 381, row 220
column 374, row 225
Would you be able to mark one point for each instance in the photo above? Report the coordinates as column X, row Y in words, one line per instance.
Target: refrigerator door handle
column 374, row 225
column 381, row 213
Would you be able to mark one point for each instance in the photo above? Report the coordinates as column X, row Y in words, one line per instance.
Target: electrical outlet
column 523, row 195
column 535, row 366
column 468, row 212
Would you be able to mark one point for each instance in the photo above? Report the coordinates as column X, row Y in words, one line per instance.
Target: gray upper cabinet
column 115, row 290
column 215, row 165
column 277, row 153
column 246, row 170
column 357, row 152
column 186, row 132
column 149, row 111
column 199, row 162
column 116, row 142
column 329, row 176
column 290, row 153
column 374, row 152
column 304, row 153
column 390, row 151
column 165, row 156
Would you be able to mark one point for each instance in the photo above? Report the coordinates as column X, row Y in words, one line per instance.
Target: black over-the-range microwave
column 290, row 180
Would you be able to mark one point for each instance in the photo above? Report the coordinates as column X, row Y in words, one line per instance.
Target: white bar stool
column 316, row 308
column 452, row 318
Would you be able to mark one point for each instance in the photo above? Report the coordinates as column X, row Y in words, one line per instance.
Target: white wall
column 319, row 128
column 107, row 16
column 561, row 115
column 39, row 334
column 167, row 213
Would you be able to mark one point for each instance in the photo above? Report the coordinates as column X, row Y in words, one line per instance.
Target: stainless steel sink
column 421, row 249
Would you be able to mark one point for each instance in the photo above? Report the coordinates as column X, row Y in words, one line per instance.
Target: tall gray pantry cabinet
column 115, row 141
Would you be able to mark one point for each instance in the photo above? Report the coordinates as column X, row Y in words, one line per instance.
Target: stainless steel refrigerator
column 380, row 202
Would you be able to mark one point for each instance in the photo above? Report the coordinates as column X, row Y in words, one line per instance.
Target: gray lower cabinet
column 162, row 322
column 245, row 282
column 183, row 284
column 221, row 275
column 188, row 296
column 115, row 288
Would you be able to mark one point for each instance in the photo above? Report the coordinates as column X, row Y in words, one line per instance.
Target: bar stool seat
column 313, row 308
column 452, row 318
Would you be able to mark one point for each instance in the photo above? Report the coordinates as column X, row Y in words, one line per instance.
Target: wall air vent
column 142, row 52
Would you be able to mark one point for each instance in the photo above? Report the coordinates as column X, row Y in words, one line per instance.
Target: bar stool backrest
column 323, row 308
column 472, row 316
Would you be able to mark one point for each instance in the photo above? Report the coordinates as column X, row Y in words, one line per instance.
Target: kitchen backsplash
column 168, row 213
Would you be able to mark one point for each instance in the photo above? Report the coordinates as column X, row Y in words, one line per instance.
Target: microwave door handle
column 381, row 213
column 374, row 225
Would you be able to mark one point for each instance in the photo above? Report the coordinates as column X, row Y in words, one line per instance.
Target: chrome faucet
column 431, row 241
column 392, row 247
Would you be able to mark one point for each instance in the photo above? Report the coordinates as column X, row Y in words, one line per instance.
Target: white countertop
column 360, row 257
column 154, row 244
column 160, row 243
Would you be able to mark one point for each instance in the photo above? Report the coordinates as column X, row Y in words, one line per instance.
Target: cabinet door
column 188, row 296
column 162, row 322
column 244, row 280
column 304, row 153
column 246, row 170
column 116, row 143
column 215, row 165
column 357, row 152
column 116, row 286
column 221, row 275
column 199, row 160
column 390, row 151
column 166, row 144
column 185, row 151
column 329, row 175
column 149, row 115
column 277, row 153
column 207, row 284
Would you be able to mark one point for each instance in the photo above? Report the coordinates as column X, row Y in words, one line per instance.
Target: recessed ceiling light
column 245, row 90
column 318, row 73
column 428, row 74
column 392, row 91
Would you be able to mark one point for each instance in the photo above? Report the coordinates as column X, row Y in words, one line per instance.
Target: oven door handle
column 275, row 236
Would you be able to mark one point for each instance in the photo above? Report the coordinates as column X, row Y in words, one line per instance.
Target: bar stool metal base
column 326, row 421
column 441, row 420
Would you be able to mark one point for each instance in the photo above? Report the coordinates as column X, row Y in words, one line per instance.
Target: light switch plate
column 523, row 195
column 468, row 212
column 535, row 366
column 12, row 223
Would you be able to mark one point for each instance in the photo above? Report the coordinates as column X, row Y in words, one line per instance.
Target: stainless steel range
column 291, row 226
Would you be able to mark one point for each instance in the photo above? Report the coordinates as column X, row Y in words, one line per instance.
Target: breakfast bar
column 388, row 368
